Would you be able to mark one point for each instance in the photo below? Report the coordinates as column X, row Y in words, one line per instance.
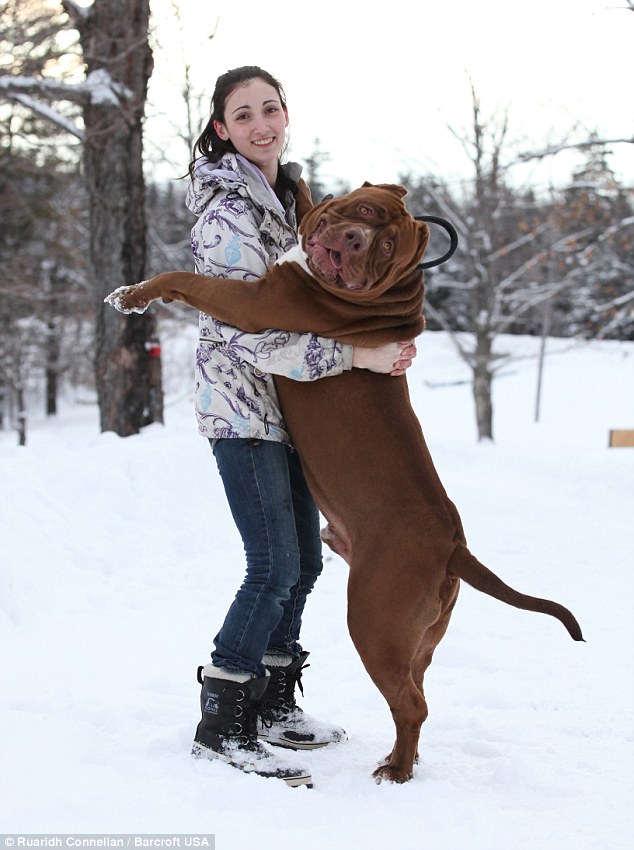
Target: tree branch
column 555, row 149
column 50, row 90
column 47, row 113
column 98, row 87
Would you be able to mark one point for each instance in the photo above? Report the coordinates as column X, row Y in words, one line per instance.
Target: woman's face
column 255, row 122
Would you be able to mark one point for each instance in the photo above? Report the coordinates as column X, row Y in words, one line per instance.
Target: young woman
column 248, row 206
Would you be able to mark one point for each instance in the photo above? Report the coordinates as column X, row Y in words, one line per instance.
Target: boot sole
column 264, row 734
column 201, row 751
column 294, row 745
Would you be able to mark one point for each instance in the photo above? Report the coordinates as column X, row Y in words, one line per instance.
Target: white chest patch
column 295, row 255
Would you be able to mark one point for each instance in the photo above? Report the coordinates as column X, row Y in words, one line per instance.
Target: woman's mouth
column 263, row 143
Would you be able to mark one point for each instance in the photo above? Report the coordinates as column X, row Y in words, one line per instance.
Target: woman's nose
column 261, row 124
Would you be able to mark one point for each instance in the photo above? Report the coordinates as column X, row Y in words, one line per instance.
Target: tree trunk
column 114, row 38
column 482, row 386
column 52, row 339
column 21, row 414
column 52, row 367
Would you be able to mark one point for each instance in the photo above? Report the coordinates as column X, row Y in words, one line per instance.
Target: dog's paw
column 391, row 773
column 128, row 299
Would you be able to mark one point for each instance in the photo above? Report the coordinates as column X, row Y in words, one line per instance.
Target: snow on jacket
column 243, row 229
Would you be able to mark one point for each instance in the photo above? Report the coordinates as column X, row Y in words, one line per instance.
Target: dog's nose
column 354, row 239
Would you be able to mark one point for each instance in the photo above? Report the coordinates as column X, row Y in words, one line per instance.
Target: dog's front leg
column 170, row 286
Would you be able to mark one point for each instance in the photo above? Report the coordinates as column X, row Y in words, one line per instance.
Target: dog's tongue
column 335, row 259
column 337, row 264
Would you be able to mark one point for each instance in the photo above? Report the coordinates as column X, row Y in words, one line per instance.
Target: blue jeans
column 279, row 525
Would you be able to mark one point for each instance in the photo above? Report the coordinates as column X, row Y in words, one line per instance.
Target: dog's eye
column 388, row 247
column 365, row 210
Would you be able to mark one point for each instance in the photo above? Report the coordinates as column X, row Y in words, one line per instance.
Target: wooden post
column 621, row 438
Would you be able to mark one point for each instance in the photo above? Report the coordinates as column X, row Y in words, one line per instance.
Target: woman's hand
column 394, row 358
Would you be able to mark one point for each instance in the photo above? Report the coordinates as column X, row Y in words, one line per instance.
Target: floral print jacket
column 241, row 230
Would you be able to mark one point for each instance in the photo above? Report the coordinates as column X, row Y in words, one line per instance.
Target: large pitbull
column 355, row 279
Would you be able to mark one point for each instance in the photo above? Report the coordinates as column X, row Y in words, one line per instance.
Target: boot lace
column 279, row 697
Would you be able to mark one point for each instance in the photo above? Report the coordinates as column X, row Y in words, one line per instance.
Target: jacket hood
column 233, row 172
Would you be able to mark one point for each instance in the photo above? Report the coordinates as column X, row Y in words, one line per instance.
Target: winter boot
column 228, row 729
column 281, row 720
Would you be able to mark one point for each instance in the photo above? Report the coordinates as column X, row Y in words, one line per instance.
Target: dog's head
column 361, row 244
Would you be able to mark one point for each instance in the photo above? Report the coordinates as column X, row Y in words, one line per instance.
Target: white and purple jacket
column 243, row 229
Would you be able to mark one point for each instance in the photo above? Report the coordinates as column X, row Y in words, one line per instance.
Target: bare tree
column 190, row 84
column 596, row 217
column 607, row 254
column 113, row 36
column 494, row 279
column 518, row 257
column 593, row 139
column 43, row 250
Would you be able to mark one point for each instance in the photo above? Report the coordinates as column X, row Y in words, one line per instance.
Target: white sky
column 379, row 83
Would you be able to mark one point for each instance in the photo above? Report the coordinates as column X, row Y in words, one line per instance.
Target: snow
column 97, row 88
column 119, row 558
column 45, row 111
column 103, row 89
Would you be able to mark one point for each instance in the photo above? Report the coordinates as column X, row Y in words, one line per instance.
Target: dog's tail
column 464, row 565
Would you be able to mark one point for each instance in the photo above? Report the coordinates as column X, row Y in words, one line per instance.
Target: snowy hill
column 119, row 558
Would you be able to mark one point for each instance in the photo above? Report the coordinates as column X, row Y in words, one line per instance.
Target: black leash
column 453, row 240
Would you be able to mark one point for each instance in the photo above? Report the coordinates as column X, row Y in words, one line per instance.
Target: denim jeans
column 279, row 525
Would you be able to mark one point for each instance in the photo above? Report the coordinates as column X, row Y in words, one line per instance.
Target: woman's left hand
column 394, row 358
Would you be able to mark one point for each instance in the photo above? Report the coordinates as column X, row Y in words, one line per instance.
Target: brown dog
column 354, row 279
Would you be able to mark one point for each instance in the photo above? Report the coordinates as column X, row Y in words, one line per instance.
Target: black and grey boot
column 282, row 721
column 228, row 729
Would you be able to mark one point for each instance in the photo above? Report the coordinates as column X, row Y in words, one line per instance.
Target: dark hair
column 209, row 144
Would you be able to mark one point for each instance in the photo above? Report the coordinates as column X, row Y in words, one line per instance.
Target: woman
column 248, row 206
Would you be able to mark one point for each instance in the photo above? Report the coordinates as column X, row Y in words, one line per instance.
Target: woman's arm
column 302, row 357
column 307, row 357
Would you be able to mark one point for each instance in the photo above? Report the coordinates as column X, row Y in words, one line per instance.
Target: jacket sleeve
column 302, row 357
column 229, row 246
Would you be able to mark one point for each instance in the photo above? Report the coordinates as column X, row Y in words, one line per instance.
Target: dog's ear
column 303, row 200
column 309, row 215
column 395, row 189
column 423, row 238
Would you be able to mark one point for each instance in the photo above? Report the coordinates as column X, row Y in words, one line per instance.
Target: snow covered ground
column 118, row 559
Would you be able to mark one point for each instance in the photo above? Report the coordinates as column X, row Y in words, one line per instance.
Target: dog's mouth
column 330, row 264
column 336, row 260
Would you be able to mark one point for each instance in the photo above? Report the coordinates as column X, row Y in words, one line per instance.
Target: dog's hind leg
column 428, row 643
column 385, row 624
column 409, row 711
column 436, row 632
column 336, row 538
